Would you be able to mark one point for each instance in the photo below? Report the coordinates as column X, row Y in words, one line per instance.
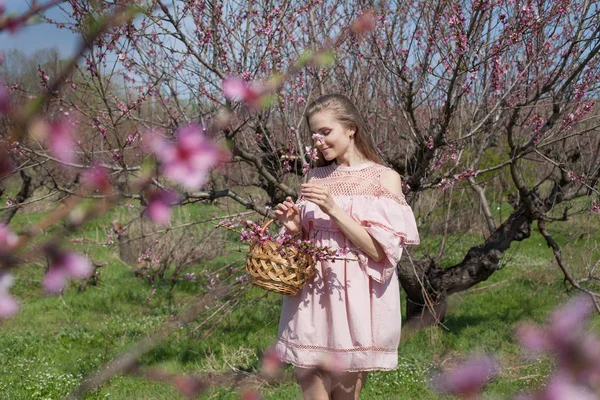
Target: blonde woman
column 347, row 316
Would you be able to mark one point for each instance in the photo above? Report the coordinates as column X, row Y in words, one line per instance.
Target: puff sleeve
column 391, row 222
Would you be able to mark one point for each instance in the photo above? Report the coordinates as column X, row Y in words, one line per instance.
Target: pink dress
column 349, row 312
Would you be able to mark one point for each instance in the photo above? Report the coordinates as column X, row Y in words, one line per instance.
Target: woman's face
column 332, row 138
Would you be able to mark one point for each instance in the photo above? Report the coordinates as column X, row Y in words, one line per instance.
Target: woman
column 346, row 320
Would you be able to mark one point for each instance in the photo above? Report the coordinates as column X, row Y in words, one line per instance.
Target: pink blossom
column 189, row 160
column 121, row 56
column 61, row 141
column 364, row 23
column 63, row 266
column 468, row 378
column 159, row 206
column 8, row 305
column 570, row 319
column 430, row 143
column 271, row 363
column 566, row 335
column 249, row 394
column 238, row 89
column 533, row 338
column 318, row 138
column 96, row 177
column 562, row 388
column 189, row 386
column 8, row 240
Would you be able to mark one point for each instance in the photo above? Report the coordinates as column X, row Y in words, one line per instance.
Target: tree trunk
column 125, row 251
column 25, row 192
column 428, row 286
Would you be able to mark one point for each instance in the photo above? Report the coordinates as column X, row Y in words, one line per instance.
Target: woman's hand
column 319, row 195
column 288, row 213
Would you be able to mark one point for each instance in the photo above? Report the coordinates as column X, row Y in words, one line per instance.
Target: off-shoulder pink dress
column 349, row 312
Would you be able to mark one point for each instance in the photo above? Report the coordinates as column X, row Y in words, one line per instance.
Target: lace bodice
column 360, row 180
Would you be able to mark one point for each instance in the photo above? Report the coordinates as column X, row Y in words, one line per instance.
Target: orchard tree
column 473, row 103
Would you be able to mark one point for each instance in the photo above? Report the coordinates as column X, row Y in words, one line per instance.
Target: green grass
column 55, row 341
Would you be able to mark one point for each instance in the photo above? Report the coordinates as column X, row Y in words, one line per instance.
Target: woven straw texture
column 268, row 269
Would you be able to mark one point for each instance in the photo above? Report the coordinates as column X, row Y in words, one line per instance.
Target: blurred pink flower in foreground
column 8, row 240
column 189, row 386
column 63, row 266
column 189, row 160
column 466, row 380
column 364, row 23
column 566, row 335
column 8, row 305
column 96, row 178
column 249, row 394
column 562, row 388
column 61, row 141
column 239, row 89
column 159, row 206
column 271, row 363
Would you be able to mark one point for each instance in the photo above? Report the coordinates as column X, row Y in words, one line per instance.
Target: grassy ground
column 55, row 341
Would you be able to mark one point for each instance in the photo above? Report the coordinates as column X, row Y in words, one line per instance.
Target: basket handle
column 269, row 222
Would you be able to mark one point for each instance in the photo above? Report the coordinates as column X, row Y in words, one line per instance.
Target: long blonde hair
column 346, row 113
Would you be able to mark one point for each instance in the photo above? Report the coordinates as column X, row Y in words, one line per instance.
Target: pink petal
column 254, row 95
column 467, row 378
column 159, row 206
column 6, row 282
column 75, row 265
column 570, row 320
column 191, row 158
column 533, row 338
column 188, row 177
column 8, row 306
column 54, row 280
column 159, row 213
column 61, row 141
column 152, row 141
column 65, row 265
column 8, row 240
column 97, row 178
column 271, row 363
column 189, row 386
column 365, row 23
column 249, row 394
column 561, row 388
column 235, row 89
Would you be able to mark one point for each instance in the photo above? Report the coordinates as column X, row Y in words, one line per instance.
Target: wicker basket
column 268, row 269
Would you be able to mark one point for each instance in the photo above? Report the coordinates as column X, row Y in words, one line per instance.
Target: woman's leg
column 348, row 385
column 315, row 384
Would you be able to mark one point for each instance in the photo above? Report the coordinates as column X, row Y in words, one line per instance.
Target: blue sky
column 39, row 36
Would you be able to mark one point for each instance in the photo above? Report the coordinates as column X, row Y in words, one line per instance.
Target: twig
column 556, row 250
